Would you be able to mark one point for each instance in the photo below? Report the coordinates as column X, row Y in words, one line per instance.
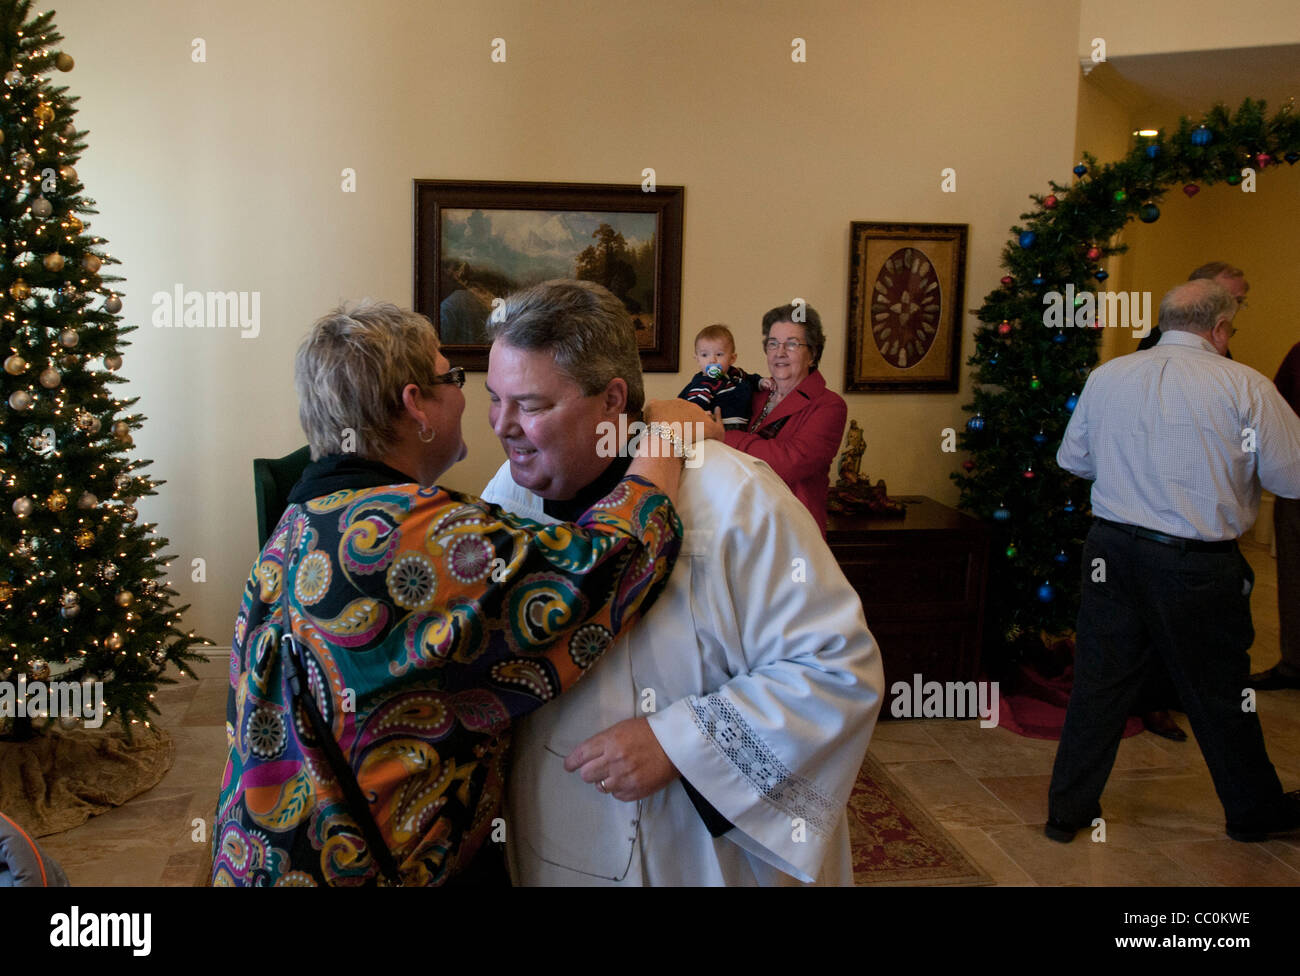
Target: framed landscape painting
column 476, row 242
column 906, row 290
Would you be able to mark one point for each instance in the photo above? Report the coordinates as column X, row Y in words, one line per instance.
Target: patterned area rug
column 895, row 842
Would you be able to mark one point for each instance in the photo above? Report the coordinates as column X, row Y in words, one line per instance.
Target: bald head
column 1196, row 306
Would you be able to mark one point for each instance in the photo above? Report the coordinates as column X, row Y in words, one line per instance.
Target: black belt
column 1188, row 545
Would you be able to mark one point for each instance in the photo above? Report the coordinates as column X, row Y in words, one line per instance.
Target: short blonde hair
column 350, row 371
column 716, row 331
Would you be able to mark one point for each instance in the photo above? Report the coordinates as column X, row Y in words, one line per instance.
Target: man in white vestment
column 719, row 740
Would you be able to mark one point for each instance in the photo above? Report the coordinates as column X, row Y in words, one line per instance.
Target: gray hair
column 1196, row 306
column 585, row 326
column 350, row 371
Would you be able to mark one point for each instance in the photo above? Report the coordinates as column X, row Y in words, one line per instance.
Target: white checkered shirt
column 1180, row 440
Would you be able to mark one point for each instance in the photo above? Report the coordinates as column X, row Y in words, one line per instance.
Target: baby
column 720, row 383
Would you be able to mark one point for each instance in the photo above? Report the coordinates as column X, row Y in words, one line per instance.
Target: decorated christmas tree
column 1039, row 342
column 82, row 596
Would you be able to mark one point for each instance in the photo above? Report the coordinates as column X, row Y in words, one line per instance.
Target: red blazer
column 799, row 439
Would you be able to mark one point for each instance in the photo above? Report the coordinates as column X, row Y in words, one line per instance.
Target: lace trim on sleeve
column 720, row 723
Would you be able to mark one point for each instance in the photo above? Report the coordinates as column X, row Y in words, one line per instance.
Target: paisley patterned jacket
column 430, row 620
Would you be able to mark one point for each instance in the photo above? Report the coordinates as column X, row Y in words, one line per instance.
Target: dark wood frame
column 667, row 202
column 861, row 234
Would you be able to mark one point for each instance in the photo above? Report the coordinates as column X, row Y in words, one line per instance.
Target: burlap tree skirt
column 62, row 778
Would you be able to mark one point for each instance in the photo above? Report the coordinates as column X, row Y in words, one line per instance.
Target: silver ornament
column 20, row 399
column 109, row 572
column 113, row 305
column 42, row 208
column 50, row 377
column 68, row 338
column 23, row 506
column 87, row 501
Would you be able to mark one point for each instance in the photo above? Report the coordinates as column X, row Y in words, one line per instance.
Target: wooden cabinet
column 921, row 579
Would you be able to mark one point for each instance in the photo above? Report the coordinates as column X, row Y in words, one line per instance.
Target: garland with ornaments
column 83, row 596
column 1028, row 377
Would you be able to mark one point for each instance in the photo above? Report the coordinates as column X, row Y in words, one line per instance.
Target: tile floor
column 988, row 787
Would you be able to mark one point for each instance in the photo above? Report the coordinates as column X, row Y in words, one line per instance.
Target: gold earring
column 431, row 432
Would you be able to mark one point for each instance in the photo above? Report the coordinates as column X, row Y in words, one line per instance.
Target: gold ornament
column 15, row 364
column 109, row 572
column 43, row 112
column 125, row 598
column 67, row 174
column 20, row 399
column 20, row 291
column 121, row 430
column 6, row 592
column 91, row 263
column 84, row 538
column 70, row 362
column 39, row 669
column 53, row 262
column 68, row 338
column 23, row 506
column 74, row 223
column 129, row 513
column 42, row 208
column 24, row 547
column 64, row 62
column 113, row 642
column 23, row 160
column 57, row 501
column 113, row 362
column 87, row 501
column 50, row 377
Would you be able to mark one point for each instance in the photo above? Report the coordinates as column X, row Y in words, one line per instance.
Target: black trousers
column 1192, row 609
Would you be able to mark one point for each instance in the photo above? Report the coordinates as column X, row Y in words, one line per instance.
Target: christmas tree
column 1039, row 342
column 81, row 591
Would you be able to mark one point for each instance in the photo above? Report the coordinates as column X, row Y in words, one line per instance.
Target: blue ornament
column 1027, row 238
column 975, row 423
column 1046, row 594
column 993, row 361
column 1061, row 558
column 1153, row 150
column 1292, row 157
column 1001, row 514
column 1038, row 279
column 1080, row 170
column 1069, row 508
column 1149, row 213
column 1201, row 136
column 1040, row 438
column 1101, row 274
column 1071, row 402
column 1059, row 338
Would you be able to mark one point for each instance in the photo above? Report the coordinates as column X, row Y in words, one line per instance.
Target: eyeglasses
column 771, row 345
column 455, row 375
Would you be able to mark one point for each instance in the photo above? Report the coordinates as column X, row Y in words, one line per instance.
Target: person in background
column 1286, row 531
column 1220, row 272
column 720, row 383
column 1178, row 441
column 798, row 425
column 427, row 620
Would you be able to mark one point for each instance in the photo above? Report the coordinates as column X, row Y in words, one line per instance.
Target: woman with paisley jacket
column 427, row 620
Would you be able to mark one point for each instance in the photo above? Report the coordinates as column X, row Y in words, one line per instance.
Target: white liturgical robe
column 758, row 677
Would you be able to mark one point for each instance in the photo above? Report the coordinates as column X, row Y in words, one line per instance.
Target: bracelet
column 665, row 432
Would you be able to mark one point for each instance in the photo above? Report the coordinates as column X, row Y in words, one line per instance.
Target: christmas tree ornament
column 42, row 208
column 1071, row 402
column 1035, row 383
column 38, row 669
column 15, row 364
column 1002, row 514
column 70, row 598
column 69, row 294
column 968, row 465
column 1038, row 279
column 1061, row 558
column 1093, row 253
column 20, row 291
column 86, row 501
column 1149, row 213
column 91, row 263
column 23, row 160
column 113, row 642
column 1101, row 274
column 1069, row 508
column 4, row 444
column 121, row 429
column 108, row 571
column 1028, row 473
column 121, row 480
column 23, row 506
column 50, row 377
column 1050, row 202
column 1040, row 438
column 1292, row 157
column 975, row 423
column 43, row 112
column 1201, row 136
column 1004, row 328
column 1059, row 338
column 57, row 501
column 63, row 61
column 53, row 262
column 69, row 131
column 1011, row 550
column 6, row 592
column 68, row 174
column 1233, row 179
column 1046, row 594
column 14, row 78
column 1263, row 159
column 1191, row 189
column 24, row 548
column 113, row 305
column 84, row 538
column 20, row 400
column 129, row 513
column 70, row 362
column 125, row 598
column 1027, row 238
column 67, row 613
column 39, row 443
column 68, row 338
column 1152, row 150
column 74, row 224
column 1080, row 169
column 1120, row 196
column 1008, row 281
column 113, row 362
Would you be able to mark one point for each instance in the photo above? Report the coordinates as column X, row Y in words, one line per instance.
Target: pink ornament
column 1050, row 202
column 1094, row 253
column 1008, row 280
column 1191, row 189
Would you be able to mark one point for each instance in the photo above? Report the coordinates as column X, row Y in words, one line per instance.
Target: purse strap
column 356, row 802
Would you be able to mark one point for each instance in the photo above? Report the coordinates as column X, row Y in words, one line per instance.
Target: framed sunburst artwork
column 906, row 284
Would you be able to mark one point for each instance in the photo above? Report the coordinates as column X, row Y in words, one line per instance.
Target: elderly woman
column 797, row 427
column 426, row 621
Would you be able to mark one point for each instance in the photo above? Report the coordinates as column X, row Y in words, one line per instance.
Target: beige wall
column 1162, row 26
column 226, row 175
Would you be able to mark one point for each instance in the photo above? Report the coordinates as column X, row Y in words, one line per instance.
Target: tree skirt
column 61, row 779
